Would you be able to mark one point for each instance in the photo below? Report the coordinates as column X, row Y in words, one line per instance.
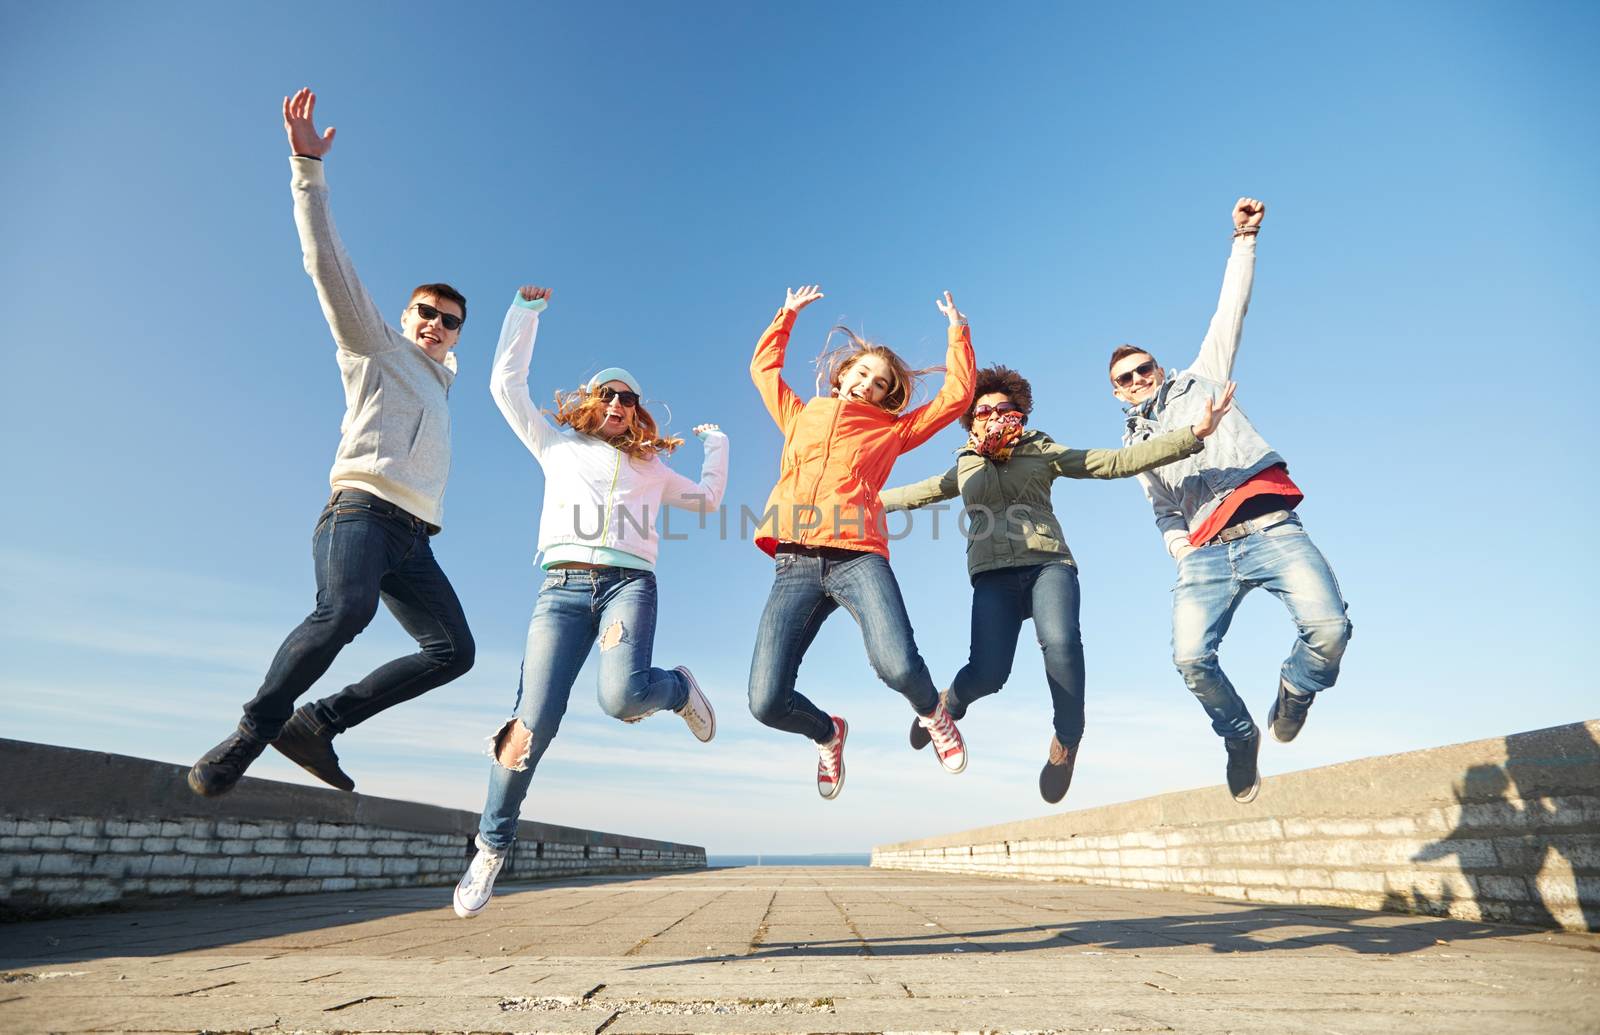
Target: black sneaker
column 309, row 745
column 919, row 733
column 221, row 767
column 1056, row 776
column 1244, row 779
column 1288, row 713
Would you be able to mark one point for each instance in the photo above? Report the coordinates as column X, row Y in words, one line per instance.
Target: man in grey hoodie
column 372, row 540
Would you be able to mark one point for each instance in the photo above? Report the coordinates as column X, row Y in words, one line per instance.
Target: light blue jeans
column 575, row 607
column 1214, row 579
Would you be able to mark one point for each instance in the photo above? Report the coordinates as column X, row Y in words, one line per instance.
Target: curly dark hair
column 1000, row 379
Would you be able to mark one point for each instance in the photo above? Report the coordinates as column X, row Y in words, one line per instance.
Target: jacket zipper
column 611, row 494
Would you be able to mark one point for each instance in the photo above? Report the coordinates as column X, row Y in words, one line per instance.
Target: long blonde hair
column 583, row 411
column 836, row 359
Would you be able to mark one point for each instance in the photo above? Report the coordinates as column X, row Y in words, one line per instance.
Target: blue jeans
column 366, row 549
column 576, row 606
column 808, row 588
column 1001, row 601
column 1214, row 579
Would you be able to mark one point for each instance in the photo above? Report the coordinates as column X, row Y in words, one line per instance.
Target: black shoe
column 919, row 734
column 220, row 768
column 1056, row 776
column 1244, row 779
column 309, row 745
column 1288, row 713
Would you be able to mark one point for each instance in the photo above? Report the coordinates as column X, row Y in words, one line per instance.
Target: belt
column 379, row 505
column 1244, row 528
column 829, row 553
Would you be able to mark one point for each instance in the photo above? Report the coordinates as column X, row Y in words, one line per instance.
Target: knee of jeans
column 511, row 745
column 1327, row 639
column 617, row 699
column 986, row 677
column 457, row 654
column 898, row 670
column 347, row 618
column 1198, row 672
column 767, row 708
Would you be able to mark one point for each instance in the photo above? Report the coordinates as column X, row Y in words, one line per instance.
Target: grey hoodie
column 395, row 437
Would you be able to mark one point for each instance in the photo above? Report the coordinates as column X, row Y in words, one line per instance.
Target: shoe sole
column 694, row 688
column 961, row 769
column 467, row 914
column 1249, row 795
column 330, row 781
column 919, row 736
column 838, row 785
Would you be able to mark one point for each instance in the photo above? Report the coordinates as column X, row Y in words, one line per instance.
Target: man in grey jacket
column 372, row 540
column 1227, row 516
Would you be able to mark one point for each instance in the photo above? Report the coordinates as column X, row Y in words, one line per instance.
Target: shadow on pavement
column 221, row 923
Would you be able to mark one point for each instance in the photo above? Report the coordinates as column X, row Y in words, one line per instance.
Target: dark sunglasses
column 985, row 410
column 628, row 399
column 451, row 321
column 1144, row 369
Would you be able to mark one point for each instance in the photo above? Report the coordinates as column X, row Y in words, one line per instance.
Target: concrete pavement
column 790, row 950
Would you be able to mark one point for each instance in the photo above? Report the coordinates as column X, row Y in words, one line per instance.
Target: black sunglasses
column 450, row 320
column 985, row 409
column 1144, row 369
column 628, row 399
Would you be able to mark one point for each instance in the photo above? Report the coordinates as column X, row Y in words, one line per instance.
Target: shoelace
column 235, row 753
column 943, row 731
column 830, row 757
column 483, row 870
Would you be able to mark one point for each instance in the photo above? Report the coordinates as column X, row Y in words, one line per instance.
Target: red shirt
column 1274, row 481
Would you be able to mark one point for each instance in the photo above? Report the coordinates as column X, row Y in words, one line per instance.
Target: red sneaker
column 947, row 742
column 830, row 761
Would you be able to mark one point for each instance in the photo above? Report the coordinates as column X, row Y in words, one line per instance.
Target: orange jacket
column 837, row 453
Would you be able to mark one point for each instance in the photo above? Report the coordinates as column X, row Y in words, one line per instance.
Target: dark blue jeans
column 366, row 549
column 1001, row 601
column 809, row 587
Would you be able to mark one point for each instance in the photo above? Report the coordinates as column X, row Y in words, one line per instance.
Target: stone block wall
column 1504, row 830
column 82, row 829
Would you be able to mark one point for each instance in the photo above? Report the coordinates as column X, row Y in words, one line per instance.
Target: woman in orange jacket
column 824, row 527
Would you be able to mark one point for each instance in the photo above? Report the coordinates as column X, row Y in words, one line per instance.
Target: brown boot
column 1056, row 776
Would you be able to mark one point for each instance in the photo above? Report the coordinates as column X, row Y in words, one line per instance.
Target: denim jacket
column 1183, row 494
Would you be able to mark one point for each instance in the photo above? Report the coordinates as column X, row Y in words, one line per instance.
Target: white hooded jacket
column 595, row 495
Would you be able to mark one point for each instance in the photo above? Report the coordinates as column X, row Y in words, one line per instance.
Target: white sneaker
column 830, row 761
column 947, row 742
column 477, row 884
column 696, row 711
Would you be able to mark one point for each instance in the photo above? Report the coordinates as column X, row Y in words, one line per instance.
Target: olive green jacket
column 1009, row 522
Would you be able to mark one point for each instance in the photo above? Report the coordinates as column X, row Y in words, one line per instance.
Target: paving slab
column 790, row 951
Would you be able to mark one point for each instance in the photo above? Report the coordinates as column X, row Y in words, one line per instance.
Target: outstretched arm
column 1221, row 344
column 1156, row 452
column 766, row 366
column 706, row 495
column 352, row 316
column 920, row 494
column 508, row 378
column 960, row 375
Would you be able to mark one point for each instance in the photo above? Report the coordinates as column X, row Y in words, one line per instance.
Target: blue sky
column 1424, row 307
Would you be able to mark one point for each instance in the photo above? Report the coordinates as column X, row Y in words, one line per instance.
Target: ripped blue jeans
column 576, row 606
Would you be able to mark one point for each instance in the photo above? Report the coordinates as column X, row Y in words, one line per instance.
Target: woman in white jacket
column 605, row 483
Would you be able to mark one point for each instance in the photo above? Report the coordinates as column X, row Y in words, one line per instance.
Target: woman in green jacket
column 1017, row 557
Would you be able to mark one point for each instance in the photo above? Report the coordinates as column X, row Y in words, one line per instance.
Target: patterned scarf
column 1000, row 434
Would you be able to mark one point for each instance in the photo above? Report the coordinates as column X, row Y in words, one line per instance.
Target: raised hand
column 1248, row 213
column 947, row 306
column 302, row 131
column 798, row 298
column 1211, row 416
column 532, row 293
column 701, row 429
